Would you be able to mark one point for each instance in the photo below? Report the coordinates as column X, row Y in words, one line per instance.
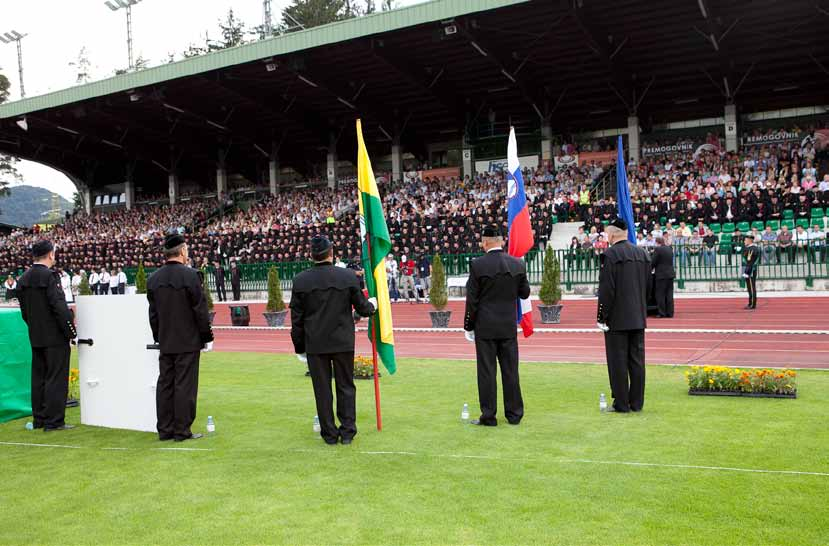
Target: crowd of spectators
column 424, row 217
column 678, row 196
column 697, row 201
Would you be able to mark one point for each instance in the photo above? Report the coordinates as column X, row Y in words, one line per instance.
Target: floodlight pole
column 267, row 18
column 127, row 5
column 15, row 36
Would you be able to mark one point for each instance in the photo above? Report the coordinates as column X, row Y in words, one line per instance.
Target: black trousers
column 341, row 366
column 751, row 287
column 221, row 291
column 506, row 352
column 122, row 288
column 625, row 351
column 664, row 292
column 104, row 289
column 176, row 393
column 237, row 292
column 50, row 385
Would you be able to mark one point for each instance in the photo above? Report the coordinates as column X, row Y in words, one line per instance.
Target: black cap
column 491, row 231
column 749, row 236
column 42, row 248
column 619, row 223
column 320, row 246
column 172, row 240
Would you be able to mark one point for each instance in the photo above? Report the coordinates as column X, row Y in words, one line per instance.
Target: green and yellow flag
column 376, row 244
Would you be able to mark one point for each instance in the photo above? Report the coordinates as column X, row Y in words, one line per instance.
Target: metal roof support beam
column 598, row 41
column 716, row 38
column 286, row 113
column 427, row 83
column 479, row 44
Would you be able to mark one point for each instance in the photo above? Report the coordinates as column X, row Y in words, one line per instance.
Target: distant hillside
column 27, row 205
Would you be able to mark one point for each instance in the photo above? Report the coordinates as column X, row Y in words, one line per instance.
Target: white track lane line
column 562, row 330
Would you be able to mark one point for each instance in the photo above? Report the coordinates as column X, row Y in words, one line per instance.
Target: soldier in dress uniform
column 751, row 255
column 624, row 281
column 235, row 281
column 219, row 274
column 496, row 281
column 662, row 263
column 181, row 326
column 51, row 328
column 322, row 330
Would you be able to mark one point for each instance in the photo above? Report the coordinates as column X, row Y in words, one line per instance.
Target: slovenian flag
column 519, row 227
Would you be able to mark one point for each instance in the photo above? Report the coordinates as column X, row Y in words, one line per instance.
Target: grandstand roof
column 430, row 72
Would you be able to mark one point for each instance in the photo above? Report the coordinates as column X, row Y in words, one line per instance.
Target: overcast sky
column 58, row 29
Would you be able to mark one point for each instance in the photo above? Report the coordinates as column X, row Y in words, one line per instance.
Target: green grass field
column 428, row 478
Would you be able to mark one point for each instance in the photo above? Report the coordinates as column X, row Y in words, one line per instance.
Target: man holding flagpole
column 624, row 284
column 322, row 331
column 496, row 282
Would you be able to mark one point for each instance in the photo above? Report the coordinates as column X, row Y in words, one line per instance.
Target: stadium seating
column 758, row 225
column 817, row 212
column 743, row 226
column 716, row 228
column 728, row 227
column 773, row 224
column 788, row 214
column 789, row 223
column 804, row 222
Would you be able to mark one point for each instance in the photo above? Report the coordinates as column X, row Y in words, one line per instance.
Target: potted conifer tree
column 207, row 295
column 83, row 288
column 550, row 293
column 140, row 279
column 438, row 295
column 275, row 311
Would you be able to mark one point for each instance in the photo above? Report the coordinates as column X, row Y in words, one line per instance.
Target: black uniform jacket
column 178, row 309
column 662, row 262
column 219, row 273
column 44, row 309
column 624, row 287
column 496, row 281
column 752, row 256
column 322, row 298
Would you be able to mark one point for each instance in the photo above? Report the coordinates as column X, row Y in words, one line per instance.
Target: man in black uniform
column 51, row 328
column 622, row 316
column 181, row 327
column 662, row 263
column 322, row 329
column 496, row 281
column 751, row 255
column 235, row 281
column 219, row 274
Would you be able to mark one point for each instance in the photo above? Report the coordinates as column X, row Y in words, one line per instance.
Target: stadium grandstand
column 251, row 150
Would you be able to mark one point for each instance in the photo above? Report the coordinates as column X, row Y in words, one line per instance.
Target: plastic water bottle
column 317, row 427
column 30, row 426
column 465, row 412
column 602, row 403
column 211, row 425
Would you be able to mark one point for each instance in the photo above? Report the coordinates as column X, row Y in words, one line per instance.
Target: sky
column 56, row 30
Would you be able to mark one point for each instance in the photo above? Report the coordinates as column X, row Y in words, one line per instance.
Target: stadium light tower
column 8, row 38
column 115, row 5
column 267, row 18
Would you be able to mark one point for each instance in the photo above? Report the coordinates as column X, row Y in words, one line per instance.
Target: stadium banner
column 563, row 161
column 600, row 158
column 777, row 137
column 502, row 165
column 446, row 172
column 683, row 147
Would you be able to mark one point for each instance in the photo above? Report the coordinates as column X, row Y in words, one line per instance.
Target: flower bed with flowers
column 721, row 380
column 364, row 368
column 74, row 384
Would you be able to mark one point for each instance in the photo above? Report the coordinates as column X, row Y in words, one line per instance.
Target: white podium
column 118, row 374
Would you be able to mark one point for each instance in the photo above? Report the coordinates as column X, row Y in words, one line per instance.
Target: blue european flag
column 623, row 193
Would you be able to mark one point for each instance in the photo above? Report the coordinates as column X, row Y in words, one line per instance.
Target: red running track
column 795, row 313
column 757, row 350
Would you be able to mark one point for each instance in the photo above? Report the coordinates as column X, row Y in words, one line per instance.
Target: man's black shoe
column 479, row 423
column 62, row 427
column 748, row 307
column 195, row 436
column 346, row 441
column 165, row 438
column 332, row 442
column 514, row 422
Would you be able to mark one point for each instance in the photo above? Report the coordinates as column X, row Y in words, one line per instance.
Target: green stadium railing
column 721, row 263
